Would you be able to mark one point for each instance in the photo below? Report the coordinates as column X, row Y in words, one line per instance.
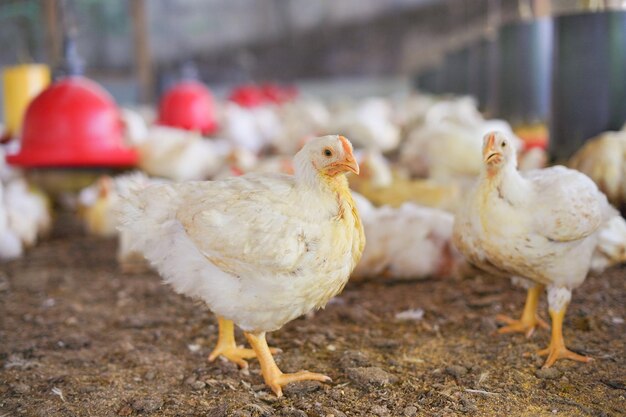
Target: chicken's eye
column 503, row 144
column 328, row 153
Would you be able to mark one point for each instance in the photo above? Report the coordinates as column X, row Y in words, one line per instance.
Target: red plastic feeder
column 188, row 105
column 248, row 96
column 278, row 94
column 73, row 123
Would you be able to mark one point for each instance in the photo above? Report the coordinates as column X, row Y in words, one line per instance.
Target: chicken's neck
column 507, row 183
column 336, row 185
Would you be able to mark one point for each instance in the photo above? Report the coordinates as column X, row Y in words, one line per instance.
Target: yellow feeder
column 21, row 84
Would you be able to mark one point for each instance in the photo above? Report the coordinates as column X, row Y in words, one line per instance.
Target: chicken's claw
column 526, row 326
column 557, row 350
column 529, row 320
column 278, row 380
column 235, row 354
column 272, row 375
column 560, row 352
column 227, row 348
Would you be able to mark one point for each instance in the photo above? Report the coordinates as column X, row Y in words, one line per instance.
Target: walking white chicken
column 544, row 225
column 260, row 249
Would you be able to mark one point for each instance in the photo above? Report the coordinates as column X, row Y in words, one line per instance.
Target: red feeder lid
column 248, row 96
column 278, row 94
column 73, row 123
column 188, row 105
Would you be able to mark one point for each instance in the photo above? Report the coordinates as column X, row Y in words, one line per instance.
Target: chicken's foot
column 227, row 347
column 557, row 350
column 272, row 375
column 529, row 320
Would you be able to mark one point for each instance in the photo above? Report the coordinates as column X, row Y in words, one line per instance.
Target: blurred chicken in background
column 409, row 242
column 602, row 159
column 369, row 123
column 180, row 155
column 446, row 146
column 382, row 186
column 25, row 211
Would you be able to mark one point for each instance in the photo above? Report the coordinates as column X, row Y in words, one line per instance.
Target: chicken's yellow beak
column 347, row 164
column 490, row 155
column 351, row 164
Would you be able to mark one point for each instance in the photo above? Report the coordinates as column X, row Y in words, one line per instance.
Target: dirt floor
column 78, row 338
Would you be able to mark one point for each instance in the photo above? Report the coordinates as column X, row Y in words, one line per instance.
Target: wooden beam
column 143, row 58
column 53, row 35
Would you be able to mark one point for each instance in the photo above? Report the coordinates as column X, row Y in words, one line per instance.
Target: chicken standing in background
column 602, row 158
column 544, row 225
column 449, row 151
column 96, row 205
column 260, row 249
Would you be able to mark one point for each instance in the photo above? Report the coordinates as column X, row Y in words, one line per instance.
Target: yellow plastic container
column 21, row 83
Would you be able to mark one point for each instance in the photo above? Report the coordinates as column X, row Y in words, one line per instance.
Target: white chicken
column 299, row 118
column 544, row 225
column 96, row 206
column 28, row 211
column 602, row 158
column 135, row 127
column 24, row 212
column 411, row 110
column 409, row 242
column 369, row 124
column 239, row 161
column 259, row 249
column 446, row 148
column 10, row 243
column 462, row 111
column 180, row 155
column 251, row 128
column 242, row 161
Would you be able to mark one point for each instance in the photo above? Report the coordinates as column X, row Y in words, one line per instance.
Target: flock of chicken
column 276, row 236
column 418, row 192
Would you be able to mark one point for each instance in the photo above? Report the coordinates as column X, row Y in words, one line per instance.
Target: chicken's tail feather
column 143, row 209
column 611, row 247
column 148, row 225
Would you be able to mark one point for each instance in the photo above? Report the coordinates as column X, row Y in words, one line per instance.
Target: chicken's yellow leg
column 557, row 349
column 227, row 347
column 273, row 376
column 529, row 320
